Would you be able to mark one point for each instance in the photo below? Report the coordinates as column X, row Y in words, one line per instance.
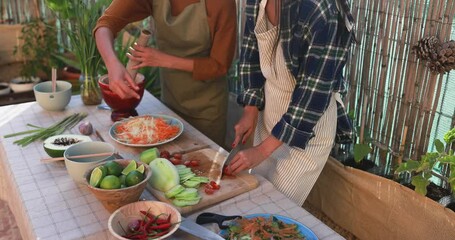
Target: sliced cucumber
column 174, row 191
column 186, row 177
column 184, row 203
column 191, row 184
column 199, row 179
column 183, row 171
column 188, row 194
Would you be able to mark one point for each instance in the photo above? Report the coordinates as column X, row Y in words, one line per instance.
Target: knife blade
column 216, row 171
column 197, row 230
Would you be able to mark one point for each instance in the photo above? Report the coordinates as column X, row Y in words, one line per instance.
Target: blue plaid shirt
column 315, row 37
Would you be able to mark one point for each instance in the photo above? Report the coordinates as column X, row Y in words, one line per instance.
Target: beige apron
column 201, row 103
column 293, row 171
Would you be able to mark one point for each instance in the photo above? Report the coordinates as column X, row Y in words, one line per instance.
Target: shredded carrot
column 145, row 130
column 262, row 228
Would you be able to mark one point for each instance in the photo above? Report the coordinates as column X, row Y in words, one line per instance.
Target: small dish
column 120, row 219
column 114, row 134
column 77, row 167
column 53, row 101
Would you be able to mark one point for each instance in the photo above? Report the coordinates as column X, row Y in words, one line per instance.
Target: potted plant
column 38, row 43
column 424, row 169
column 78, row 18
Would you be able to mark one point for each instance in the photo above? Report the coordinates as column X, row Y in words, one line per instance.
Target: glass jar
column 90, row 91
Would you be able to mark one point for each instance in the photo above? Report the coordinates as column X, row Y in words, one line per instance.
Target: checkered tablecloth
column 48, row 204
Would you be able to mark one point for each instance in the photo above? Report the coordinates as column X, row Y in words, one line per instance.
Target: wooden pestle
column 141, row 41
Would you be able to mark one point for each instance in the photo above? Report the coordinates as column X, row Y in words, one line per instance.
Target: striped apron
column 292, row 170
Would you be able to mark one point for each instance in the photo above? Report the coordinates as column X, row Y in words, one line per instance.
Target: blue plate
column 305, row 231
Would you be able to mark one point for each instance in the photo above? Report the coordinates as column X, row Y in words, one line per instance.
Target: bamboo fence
column 393, row 94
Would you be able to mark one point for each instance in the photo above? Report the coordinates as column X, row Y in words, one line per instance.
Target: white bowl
column 77, row 167
column 17, row 85
column 124, row 215
column 5, row 89
column 50, row 101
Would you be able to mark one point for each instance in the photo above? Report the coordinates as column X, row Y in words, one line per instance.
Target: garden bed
column 373, row 207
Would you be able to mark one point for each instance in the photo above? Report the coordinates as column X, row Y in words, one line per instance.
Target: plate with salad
column 146, row 130
column 267, row 226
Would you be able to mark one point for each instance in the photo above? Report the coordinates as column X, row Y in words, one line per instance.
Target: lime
column 97, row 175
column 122, row 179
column 110, row 182
column 130, row 167
column 113, row 168
column 133, row 178
column 141, row 169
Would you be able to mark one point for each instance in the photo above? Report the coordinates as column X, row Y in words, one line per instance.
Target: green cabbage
column 164, row 175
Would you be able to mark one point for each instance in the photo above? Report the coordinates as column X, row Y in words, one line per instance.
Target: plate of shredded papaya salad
column 267, row 227
column 146, row 130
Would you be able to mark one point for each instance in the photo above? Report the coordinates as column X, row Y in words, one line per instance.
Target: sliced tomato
column 209, row 191
column 187, row 163
column 177, row 156
column 214, row 185
column 165, row 154
column 194, row 163
column 175, row 161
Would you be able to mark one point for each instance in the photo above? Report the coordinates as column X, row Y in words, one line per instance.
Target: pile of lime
column 112, row 175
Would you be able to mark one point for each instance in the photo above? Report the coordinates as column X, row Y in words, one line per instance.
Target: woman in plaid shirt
column 293, row 54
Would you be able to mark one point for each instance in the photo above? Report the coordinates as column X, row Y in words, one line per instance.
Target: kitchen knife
column 197, row 230
column 216, row 171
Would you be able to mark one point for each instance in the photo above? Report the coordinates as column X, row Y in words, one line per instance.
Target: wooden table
column 48, row 204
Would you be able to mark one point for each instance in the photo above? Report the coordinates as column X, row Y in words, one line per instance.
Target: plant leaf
column 439, row 146
column 361, row 151
column 420, row 184
column 408, row 166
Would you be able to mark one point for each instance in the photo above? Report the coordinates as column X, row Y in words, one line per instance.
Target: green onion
column 43, row 133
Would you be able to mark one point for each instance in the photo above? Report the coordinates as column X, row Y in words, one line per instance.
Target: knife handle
column 208, row 217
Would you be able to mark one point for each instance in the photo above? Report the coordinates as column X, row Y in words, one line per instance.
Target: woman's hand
column 246, row 159
column 246, row 125
column 121, row 83
column 252, row 157
column 148, row 56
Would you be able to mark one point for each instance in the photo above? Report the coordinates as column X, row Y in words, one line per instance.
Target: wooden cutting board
column 230, row 186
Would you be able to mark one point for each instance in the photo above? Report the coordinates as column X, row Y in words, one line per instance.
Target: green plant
column 423, row 169
column 78, row 18
column 39, row 46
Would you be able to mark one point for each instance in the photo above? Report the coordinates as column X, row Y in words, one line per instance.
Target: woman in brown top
column 195, row 47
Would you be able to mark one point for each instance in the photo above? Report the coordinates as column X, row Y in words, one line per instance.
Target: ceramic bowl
column 18, row 85
column 121, row 108
column 50, row 101
column 124, row 215
column 77, row 167
column 4, row 88
column 112, row 199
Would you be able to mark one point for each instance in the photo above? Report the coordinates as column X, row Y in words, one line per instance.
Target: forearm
column 269, row 145
column 179, row 63
column 105, row 44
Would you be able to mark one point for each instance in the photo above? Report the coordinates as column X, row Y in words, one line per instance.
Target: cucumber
column 186, row 177
column 199, row 179
column 174, row 191
column 184, row 203
column 191, row 184
column 183, row 171
column 188, row 194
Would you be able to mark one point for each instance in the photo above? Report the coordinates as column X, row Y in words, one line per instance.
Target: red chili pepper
column 161, row 226
column 148, row 215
